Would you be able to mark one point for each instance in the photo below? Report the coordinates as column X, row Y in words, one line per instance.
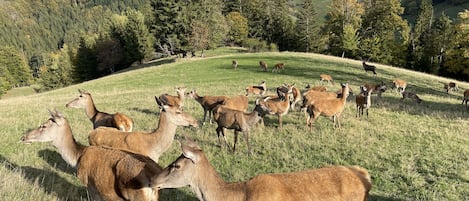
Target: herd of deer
column 121, row 164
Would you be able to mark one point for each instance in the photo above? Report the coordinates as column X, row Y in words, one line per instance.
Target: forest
column 56, row 43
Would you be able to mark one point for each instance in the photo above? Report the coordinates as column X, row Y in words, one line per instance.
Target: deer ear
column 191, row 150
column 161, row 103
column 57, row 117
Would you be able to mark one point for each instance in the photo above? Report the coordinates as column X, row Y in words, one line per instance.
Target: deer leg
column 280, row 121
column 224, row 137
column 218, row 135
column 205, row 116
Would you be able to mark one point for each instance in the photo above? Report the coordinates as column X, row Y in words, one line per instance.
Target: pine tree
column 458, row 56
column 307, row 27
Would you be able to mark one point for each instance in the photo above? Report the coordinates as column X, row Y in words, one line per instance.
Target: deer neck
column 209, row 186
column 254, row 117
column 90, row 110
column 165, row 131
column 67, row 146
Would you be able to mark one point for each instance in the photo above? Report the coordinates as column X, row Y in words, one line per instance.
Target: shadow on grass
column 176, row 195
column 54, row 159
column 381, row 198
column 146, row 111
column 51, row 182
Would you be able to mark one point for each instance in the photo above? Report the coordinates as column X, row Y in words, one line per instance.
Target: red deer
column 258, row 90
column 263, row 65
column 367, row 68
column 290, row 91
column 328, row 107
column 363, row 101
column 208, row 103
column 117, row 120
column 234, row 63
column 326, row 78
column 239, row 121
column 177, row 101
column 278, row 67
column 399, row 84
column 278, row 106
column 152, row 144
column 107, row 173
column 410, row 95
column 377, row 88
column 450, row 87
column 466, row 98
column 330, row 183
column 316, row 88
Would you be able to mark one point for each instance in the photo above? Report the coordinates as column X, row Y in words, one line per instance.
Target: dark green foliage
column 14, row 71
column 86, row 61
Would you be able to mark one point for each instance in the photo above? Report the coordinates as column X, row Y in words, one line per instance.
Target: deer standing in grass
column 278, row 67
column 399, row 84
column 378, row 89
column 330, row 183
column 465, row 98
column 452, row 86
column 258, row 90
column 152, row 144
column 107, row 173
column 326, row 78
column 279, row 106
column 263, row 65
column 363, row 101
column 117, row 120
column 177, row 101
column 328, row 107
column 367, row 68
column 239, row 121
column 234, row 63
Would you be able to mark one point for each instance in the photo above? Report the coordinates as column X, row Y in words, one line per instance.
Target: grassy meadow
column 412, row 151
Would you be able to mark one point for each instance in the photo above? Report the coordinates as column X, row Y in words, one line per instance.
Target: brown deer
column 107, row 173
column 411, row 95
column 315, row 88
column 177, row 101
column 279, row 106
column 152, row 144
column 234, row 63
column 117, row 120
column 330, row 183
column 278, row 67
column 263, row 65
column 239, row 121
column 328, row 107
column 363, row 101
column 258, row 90
column 326, row 78
column 452, row 86
column 399, row 84
column 465, row 98
column 367, row 68
column 378, row 89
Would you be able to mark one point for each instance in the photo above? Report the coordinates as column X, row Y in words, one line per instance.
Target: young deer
column 410, row 95
column 117, row 120
column 465, row 98
column 177, row 101
column 152, row 144
column 239, row 121
column 399, row 84
column 363, row 101
column 258, row 90
column 326, row 78
column 278, row 67
column 278, row 106
column 367, row 68
column 107, row 173
column 263, row 65
column 234, row 63
column 330, row 183
column 450, row 87
column 328, row 107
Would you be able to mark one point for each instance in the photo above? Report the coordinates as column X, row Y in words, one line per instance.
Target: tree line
column 57, row 43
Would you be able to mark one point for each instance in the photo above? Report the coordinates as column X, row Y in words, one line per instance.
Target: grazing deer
column 367, row 68
column 117, row 120
column 330, row 183
column 326, row 78
column 234, row 63
column 239, row 121
column 363, row 101
column 263, row 66
column 328, row 107
column 107, row 173
column 399, row 84
column 410, row 95
column 278, row 67
column 452, row 86
column 176, row 101
column 465, row 98
column 152, row 144
column 258, row 90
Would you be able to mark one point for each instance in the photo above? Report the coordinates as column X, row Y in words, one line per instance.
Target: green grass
column 413, row 151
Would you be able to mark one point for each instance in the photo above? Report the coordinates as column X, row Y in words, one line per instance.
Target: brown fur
column 177, row 101
column 107, row 173
column 411, row 95
column 330, row 183
column 278, row 67
column 239, row 121
column 368, row 67
column 276, row 106
column 466, row 98
column 117, row 120
column 263, row 65
column 326, row 78
column 234, row 63
column 258, row 90
column 363, row 101
column 152, row 144
column 328, row 107
column 451, row 86
column 378, row 89
column 399, row 84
